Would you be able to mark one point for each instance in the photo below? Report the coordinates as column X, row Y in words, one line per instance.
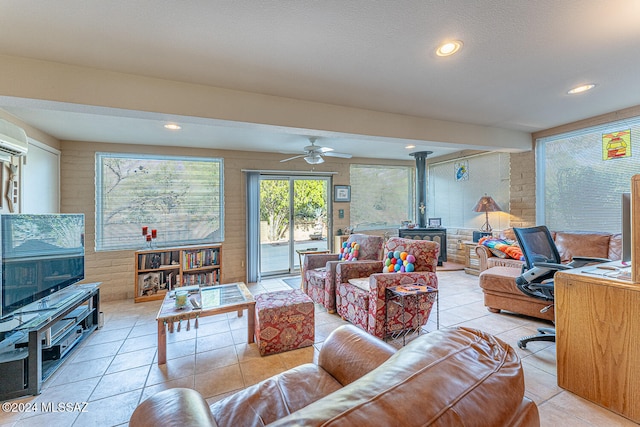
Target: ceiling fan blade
column 292, row 158
column 336, row 154
column 317, row 149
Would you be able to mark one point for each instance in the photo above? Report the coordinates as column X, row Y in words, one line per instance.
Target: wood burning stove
column 434, row 234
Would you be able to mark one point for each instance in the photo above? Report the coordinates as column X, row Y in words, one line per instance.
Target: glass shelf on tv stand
column 39, row 312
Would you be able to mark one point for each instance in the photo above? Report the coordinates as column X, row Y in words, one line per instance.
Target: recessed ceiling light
column 581, row 88
column 449, row 48
column 409, row 147
column 172, row 126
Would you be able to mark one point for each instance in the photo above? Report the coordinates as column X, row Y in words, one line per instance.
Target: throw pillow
column 349, row 251
column 399, row 262
column 502, row 248
column 498, row 253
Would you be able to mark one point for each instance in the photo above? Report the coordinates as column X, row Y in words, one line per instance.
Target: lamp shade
column 487, row 204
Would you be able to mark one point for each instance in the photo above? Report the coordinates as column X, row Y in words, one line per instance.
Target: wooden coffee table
column 216, row 300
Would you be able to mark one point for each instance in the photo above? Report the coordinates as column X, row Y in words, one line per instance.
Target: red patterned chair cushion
column 319, row 280
column 368, row 309
column 284, row 321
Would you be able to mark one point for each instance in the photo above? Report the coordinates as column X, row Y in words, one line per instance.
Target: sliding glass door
column 293, row 216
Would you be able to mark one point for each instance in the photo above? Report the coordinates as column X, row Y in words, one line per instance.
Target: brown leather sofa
column 451, row 377
column 497, row 277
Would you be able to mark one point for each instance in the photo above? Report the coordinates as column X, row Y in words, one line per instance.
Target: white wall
column 40, row 189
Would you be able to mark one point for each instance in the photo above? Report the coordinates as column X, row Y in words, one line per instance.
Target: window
column 456, row 186
column 581, row 175
column 180, row 197
column 381, row 196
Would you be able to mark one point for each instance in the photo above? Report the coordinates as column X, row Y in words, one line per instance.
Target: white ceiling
column 518, row 60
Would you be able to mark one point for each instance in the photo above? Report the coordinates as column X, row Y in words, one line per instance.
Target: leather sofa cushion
column 445, row 378
column 174, row 407
column 500, row 279
column 348, row 354
column 582, row 244
column 615, row 247
column 504, row 262
column 274, row 398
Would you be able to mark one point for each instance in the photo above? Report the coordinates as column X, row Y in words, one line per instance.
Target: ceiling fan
column 314, row 154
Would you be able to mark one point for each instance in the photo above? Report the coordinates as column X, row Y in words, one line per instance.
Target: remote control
column 194, row 302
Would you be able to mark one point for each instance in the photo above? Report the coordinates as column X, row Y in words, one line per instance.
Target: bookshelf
column 158, row 271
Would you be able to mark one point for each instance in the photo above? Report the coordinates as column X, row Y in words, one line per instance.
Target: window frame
column 137, row 241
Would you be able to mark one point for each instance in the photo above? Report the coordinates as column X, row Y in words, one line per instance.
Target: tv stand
column 37, row 340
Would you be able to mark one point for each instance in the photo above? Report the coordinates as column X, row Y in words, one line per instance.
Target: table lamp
column 486, row 204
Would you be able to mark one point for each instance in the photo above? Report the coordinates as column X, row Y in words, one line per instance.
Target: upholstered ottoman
column 284, row 321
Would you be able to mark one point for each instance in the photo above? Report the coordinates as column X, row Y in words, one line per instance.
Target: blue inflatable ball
column 397, row 267
column 390, row 255
column 396, row 254
column 344, row 244
column 409, row 268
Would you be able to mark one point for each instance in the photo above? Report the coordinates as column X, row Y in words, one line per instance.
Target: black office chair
column 541, row 261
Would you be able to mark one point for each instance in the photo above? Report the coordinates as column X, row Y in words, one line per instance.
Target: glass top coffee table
column 202, row 302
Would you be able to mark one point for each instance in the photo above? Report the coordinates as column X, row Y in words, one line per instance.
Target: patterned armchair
column 320, row 269
column 365, row 304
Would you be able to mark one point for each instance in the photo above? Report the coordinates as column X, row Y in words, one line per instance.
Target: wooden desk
column 598, row 339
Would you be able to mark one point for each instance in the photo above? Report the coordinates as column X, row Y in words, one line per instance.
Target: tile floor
column 115, row 368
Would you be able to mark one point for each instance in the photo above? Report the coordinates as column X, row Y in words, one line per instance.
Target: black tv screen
column 41, row 254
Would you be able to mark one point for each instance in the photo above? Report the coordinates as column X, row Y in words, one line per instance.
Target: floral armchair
column 320, row 269
column 365, row 304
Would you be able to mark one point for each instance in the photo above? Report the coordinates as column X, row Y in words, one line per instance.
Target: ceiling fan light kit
column 314, row 154
column 314, row 159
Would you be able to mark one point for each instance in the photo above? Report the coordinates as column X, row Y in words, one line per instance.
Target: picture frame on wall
column 341, row 193
column 434, row 223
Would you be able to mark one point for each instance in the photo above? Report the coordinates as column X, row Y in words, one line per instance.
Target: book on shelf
column 152, row 260
column 208, row 278
column 201, row 258
column 149, row 283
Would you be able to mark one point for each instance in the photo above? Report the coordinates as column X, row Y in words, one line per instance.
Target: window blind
column 580, row 180
column 180, row 197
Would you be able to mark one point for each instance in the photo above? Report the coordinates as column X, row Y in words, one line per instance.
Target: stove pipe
column 421, row 187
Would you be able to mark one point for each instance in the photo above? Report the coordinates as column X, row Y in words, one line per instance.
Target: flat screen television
column 41, row 254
